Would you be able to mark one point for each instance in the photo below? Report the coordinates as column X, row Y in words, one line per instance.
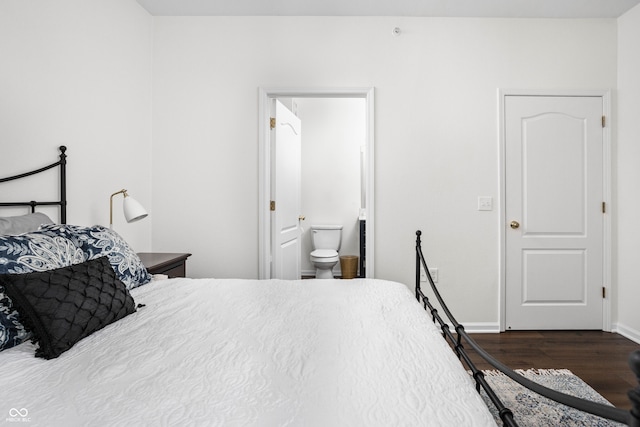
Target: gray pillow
column 14, row 225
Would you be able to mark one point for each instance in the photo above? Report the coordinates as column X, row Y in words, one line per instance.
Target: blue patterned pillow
column 99, row 241
column 12, row 331
column 27, row 253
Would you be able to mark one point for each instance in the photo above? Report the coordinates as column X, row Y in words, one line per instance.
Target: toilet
column 325, row 240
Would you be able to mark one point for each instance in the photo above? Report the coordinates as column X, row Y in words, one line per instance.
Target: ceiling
column 433, row 8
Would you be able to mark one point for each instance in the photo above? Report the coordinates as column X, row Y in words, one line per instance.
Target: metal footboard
column 631, row 417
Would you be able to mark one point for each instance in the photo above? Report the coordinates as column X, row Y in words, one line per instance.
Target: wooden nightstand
column 173, row 265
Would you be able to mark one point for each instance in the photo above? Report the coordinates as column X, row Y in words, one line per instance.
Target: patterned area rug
column 533, row 410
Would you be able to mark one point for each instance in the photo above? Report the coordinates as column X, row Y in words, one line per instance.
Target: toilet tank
column 326, row 236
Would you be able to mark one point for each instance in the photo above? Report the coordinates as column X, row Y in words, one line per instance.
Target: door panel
column 553, row 147
column 553, row 277
column 554, row 194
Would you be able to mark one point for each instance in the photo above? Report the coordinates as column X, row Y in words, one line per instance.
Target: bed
column 212, row 351
column 235, row 352
column 115, row 346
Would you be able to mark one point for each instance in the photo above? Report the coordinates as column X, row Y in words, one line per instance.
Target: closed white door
column 286, row 142
column 554, row 212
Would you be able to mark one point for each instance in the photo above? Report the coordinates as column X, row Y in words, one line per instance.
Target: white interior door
column 554, row 212
column 285, row 193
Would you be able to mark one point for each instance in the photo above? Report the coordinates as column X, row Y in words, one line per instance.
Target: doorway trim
column 606, row 188
column 266, row 94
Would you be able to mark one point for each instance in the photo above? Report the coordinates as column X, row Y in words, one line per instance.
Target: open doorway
column 366, row 159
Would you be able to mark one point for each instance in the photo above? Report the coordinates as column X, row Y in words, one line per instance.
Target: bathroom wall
column 333, row 132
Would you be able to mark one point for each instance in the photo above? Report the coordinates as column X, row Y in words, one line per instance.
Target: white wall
column 333, row 132
column 627, row 176
column 436, row 134
column 78, row 73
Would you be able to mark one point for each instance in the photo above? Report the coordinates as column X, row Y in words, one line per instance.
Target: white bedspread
column 251, row 353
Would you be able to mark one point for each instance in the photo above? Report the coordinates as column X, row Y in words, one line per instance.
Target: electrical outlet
column 434, row 274
column 432, row 270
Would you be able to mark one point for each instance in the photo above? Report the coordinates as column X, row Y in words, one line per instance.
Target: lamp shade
column 133, row 210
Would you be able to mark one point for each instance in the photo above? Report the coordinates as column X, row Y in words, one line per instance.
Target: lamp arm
column 124, row 192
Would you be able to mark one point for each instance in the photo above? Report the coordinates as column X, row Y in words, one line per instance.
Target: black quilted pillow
column 64, row 305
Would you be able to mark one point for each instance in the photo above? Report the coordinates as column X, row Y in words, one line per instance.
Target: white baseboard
column 482, row 328
column 485, row 328
column 626, row 332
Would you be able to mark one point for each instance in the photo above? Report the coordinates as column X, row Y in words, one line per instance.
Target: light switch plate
column 485, row 203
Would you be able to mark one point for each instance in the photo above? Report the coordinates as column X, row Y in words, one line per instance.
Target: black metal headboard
column 63, row 187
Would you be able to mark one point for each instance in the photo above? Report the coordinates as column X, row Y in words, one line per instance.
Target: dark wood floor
column 599, row 358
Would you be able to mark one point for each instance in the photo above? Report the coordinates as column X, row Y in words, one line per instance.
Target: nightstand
column 173, row 265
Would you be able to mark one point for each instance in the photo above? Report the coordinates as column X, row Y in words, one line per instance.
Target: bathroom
column 333, row 160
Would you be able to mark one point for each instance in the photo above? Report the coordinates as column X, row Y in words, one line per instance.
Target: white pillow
column 14, row 225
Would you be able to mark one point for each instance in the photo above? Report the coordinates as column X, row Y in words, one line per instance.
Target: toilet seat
column 324, row 255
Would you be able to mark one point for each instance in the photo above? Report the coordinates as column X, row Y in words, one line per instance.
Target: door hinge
column 272, row 205
column 604, row 207
column 604, row 292
column 604, row 121
column 272, row 122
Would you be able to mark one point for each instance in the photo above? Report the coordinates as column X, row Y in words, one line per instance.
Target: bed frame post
column 634, row 394
column 418, row 243
column 63, row 185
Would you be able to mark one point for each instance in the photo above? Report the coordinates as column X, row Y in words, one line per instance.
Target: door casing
column 606, row 180
column 264, row 165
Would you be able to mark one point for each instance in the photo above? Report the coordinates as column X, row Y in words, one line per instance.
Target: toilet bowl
column 325, row 240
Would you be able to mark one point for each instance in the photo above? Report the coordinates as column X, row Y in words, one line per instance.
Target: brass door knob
column 515, row 224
